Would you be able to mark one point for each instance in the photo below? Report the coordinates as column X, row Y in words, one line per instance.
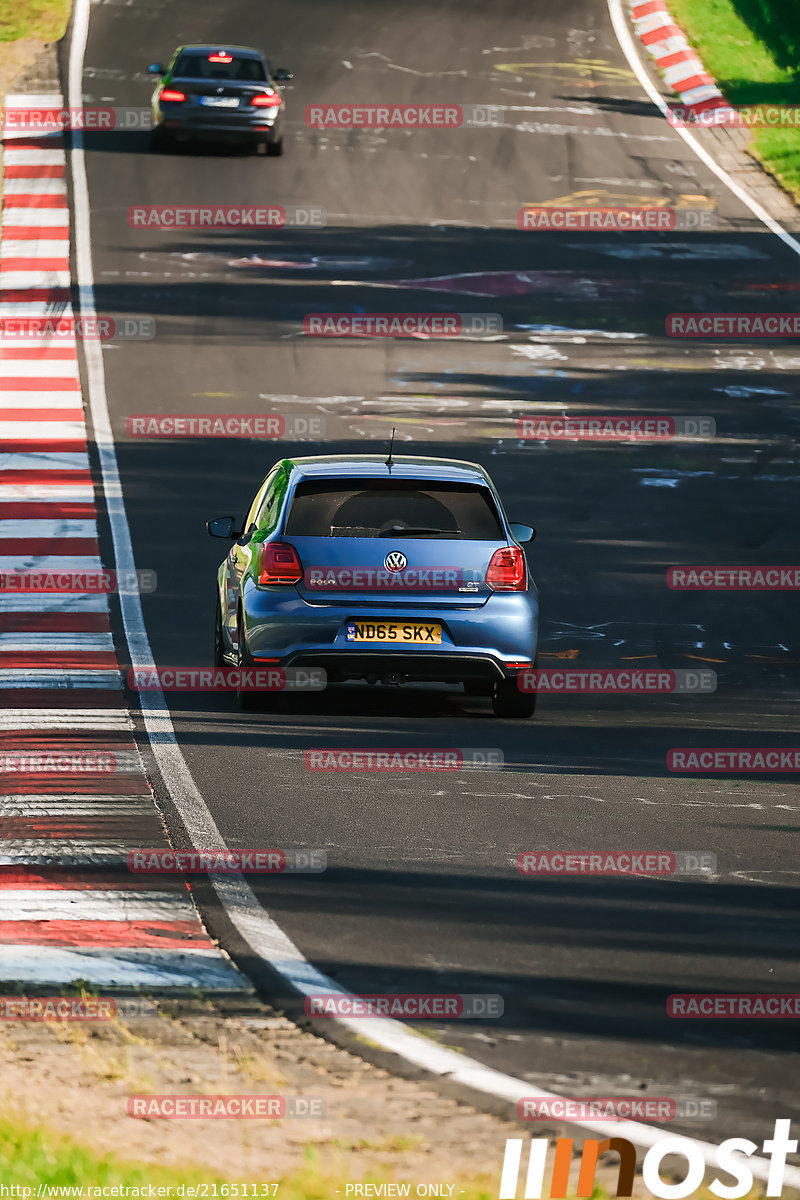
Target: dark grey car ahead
column 218, row 94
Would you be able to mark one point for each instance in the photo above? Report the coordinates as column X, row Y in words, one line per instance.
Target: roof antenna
column 390, row 462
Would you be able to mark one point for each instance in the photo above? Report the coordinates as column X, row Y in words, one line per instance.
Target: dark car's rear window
column 191, row 65
column 367, row 508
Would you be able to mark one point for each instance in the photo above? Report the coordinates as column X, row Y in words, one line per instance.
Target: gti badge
column 395, row 561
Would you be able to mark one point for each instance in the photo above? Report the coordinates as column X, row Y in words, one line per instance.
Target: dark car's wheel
column 219, row 660
column 509, row 701
column 160, row 140
column 275, row 149
column 249, row 701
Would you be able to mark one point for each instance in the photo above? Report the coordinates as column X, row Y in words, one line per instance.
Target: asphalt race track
column 422, row 892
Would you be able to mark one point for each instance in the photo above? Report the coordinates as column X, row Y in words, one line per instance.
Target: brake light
column 279, row 564
column 169, row 94
column 221, row 57
column 267, row 101
column 506, row 571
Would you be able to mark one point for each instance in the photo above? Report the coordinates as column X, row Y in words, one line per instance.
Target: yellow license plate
column 414, row 633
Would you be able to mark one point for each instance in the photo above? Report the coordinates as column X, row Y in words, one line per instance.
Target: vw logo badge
column 395, row 561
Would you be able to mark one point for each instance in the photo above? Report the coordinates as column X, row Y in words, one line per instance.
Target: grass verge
column 45, row 20
column 34, row 1157
column 752, row 49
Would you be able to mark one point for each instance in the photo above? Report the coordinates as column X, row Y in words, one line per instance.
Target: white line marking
column 264, row 936
column 34, row 248
column 25, row 214
column 45, row 460
column 71, row 493
column 40, row 432
column 28, row 677
column 58, row 527
column 65, row 718
column 35, row 187
column 57, row 563
column 628, row 47
column 53, row 603
column 19, row 280
column 35, row 100
column 52, row 641
column 44, row 399
column 25, row 156
column 23, row 800
column 207, row 969
column 45, row 904
column 37, row 367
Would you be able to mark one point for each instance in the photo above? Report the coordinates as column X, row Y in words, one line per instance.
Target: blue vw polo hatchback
column 392, row 571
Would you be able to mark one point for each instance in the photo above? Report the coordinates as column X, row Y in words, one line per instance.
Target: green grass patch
column 752, row 48
column 43, row 19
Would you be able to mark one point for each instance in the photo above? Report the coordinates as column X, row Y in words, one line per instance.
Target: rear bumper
column 478, row 643
column 218, row 130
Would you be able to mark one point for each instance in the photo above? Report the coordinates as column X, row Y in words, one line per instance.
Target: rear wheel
column 275, row 149
column 509, row 701
column 249, row 701
column 160, row 140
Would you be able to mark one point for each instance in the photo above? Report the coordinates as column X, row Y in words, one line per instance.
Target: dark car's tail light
column 267, row 101
column 506, row 571
column 279, row 564
column 171, row 94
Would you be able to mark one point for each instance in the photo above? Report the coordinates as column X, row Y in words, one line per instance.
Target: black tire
column 508, row 701
column 160, row 141
column 219, row 661
column 275, row 149
column 248, row 701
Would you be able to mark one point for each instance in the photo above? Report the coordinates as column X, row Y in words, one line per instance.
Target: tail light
column 267, row 101
column 506, row 571
column 169, row 94
column 279, row 564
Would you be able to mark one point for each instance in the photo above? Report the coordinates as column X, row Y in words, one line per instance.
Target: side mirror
column 282, row 75
column 523, row 533
column 155, row 69
column 222, row 527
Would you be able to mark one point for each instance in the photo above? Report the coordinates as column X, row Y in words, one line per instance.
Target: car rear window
column 199, row 66
column 368, row 508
